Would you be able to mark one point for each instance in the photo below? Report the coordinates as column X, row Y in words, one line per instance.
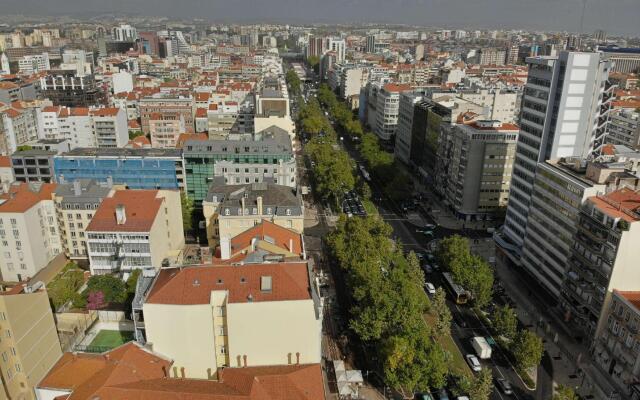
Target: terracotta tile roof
column 281, row 237
column 140, row 141
column 106, row 112
column 201, row 113
column 608, row 150
column 396, row 88
column 5, row 162
column 23, row 196
column 12, row 112
column 202, row 96
column 623, row 203
column 131, row 372
column 53, row 109
column 133, row 124
column 8, row 85
column 91, row 376
column 141, row 208
column 184, row 137
column 631, row 297
column 66, row 112
column 213, row 107
column 193, row 285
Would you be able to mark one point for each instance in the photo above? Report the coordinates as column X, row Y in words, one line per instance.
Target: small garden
column 109, row 339
column 97, row 293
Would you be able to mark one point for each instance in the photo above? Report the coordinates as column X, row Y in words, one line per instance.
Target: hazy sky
column 616, row 16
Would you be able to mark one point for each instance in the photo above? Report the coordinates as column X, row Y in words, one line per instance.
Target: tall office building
column 371, row 44
column 564, row 113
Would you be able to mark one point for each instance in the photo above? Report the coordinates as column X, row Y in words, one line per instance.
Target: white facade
column 28, row 232
column 74, row 125
column 110, row 127
column 283, row 173
column 560, row 117
column 33, row 64
column 122, row 82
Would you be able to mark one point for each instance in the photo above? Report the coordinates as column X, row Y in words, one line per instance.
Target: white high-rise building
column 124, row 33
column 339, row 46
column 564, row 113
column 33, row 64
column 4, row 65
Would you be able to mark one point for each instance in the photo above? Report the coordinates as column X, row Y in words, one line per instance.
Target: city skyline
column 616, row 17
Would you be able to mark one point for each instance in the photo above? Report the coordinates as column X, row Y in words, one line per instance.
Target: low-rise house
column 232, row 209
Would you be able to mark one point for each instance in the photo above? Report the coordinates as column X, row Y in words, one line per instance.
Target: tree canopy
column 505, row 321
column 112, row 287
column 527, row 349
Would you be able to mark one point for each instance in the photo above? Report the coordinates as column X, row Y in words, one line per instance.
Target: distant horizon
column 616, row 17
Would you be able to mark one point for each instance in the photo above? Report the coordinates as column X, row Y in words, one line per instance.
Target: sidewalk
column 572, row 365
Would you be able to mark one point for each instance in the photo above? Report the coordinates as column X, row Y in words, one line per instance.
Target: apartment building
column 564, row 113
column 136, row 168
column 68, row 123
column 386, row 114
column 603, row 257
column 352, row 80
column 170, row 106
column 30, row 345
column 269, row 159
column 29, row 65
column 272, row 107
column 616, row 348
column 135, row 229
column 408, row 100
column 28, row 230
column 560, row 189
column 500, row 105
column 33, row 165
column 624, row 128
column 110, row 127
column 165, row 130
column 135, row 373
column 478, row 163
column 75, row 204
column 490, row 56
column 206, row 317
column 232, row 209
column 265, row 242
column 18, row 126
column 6, row 172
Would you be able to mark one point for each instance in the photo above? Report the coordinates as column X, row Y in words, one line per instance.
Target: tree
column 565, row 393
column 451, row 249
column 64, row 287
column 442, row 313
column 95, row 300
column 187, row 211
column 135, row 134
column 293, row 80
column 527, row 348
column 314, row 62
column 132, row 281
column 364, row 190
column 112, row 287
column 481, row 385
column 505, row 321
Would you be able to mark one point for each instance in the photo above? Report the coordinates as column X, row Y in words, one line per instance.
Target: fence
column 111, row 316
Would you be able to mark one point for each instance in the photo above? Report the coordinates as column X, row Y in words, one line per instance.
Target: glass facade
column 140, row 173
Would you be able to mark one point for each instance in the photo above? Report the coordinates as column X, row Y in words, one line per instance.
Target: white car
column 430, row 288
column 473, row 362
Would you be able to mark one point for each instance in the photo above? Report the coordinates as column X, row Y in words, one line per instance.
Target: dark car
column 442, row 394
column 504, row 386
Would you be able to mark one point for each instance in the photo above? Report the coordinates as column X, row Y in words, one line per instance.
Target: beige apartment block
column 29, row 345
column 207, row 317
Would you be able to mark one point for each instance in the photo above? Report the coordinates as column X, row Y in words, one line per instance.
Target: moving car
column 473, row 362
column 430, row 288
column 504, row 385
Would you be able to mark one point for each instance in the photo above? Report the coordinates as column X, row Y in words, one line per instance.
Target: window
column 10, row 266
column 18, row 368
column 223, row 350
column 13, row 351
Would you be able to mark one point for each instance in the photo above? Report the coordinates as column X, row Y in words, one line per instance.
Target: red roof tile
column 623, row 203
column 631, row 297
column 193, row 285
column 281, row 237
column 106, row 112
column 394, row 87
column 22, row 197
column 141, row 208
column 201, row 113
column 5, row 162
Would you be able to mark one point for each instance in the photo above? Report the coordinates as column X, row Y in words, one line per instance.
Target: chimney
column 259, row 200
column 121, row 214
column 77, row 188
column 243, row 201
column 291, row 245
column 225, row 248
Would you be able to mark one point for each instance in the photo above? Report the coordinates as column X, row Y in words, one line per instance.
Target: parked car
column 473, row 362
column 423, row 396
column 430, row 288
column 427, row 269
column 420, row 256
column 504, row 385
